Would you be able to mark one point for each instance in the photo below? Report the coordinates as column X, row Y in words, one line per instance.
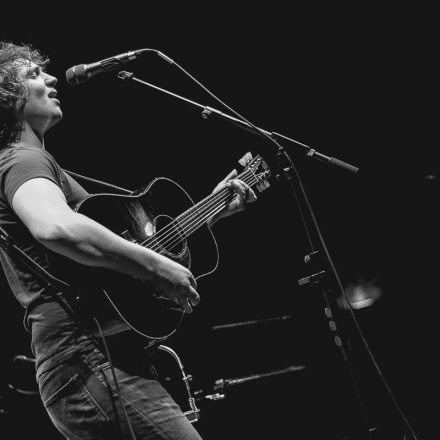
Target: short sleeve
column 23, row 165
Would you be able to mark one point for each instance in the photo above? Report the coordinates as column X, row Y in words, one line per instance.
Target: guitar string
column 201, row 214
column 206, row 203
column 183, row 223
column 175, row 235
column 193, row 226
column 154, row 242
column 171, row 227
column 208, row 198
column 206, row 212
column 172, row 230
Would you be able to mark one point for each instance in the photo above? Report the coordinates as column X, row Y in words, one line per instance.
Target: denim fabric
column 79, row 395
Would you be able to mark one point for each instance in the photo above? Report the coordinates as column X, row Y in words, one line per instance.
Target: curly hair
column 12, row 89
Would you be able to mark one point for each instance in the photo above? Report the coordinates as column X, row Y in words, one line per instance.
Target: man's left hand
column 243, row 194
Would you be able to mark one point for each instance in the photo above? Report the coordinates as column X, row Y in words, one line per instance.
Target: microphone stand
column 288, row 173
column 207, row 111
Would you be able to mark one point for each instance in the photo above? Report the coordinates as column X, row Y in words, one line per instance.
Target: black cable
column 115, row 380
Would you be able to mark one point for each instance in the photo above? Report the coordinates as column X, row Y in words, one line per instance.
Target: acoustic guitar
column 160, row 216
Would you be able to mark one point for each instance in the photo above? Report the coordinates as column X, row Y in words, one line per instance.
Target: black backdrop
column 355, row 85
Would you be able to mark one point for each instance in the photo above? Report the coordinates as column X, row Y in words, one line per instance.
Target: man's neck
column 30, row 137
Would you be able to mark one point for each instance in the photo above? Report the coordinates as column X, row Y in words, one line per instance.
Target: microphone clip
column 123, row 74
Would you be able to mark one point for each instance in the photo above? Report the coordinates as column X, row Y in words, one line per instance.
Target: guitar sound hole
column 169, row 236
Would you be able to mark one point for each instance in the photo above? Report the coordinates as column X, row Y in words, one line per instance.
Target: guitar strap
column 99, row 182
column 11, row 249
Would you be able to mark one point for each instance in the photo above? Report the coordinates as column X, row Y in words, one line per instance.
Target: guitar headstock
column 259, row 171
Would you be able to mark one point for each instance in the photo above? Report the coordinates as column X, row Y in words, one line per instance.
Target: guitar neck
column 199, row 214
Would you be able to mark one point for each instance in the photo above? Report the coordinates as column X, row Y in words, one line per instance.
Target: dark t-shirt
column 48, row 318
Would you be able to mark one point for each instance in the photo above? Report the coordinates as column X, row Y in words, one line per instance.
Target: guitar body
column 146, row 217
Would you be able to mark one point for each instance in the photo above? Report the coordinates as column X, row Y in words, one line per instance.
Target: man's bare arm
column 42, row 207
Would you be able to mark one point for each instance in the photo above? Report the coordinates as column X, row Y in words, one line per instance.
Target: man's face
column 42, row 109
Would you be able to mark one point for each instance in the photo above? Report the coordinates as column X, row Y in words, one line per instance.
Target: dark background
column 357, row 85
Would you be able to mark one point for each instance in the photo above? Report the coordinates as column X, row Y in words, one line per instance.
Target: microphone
column 83, row 72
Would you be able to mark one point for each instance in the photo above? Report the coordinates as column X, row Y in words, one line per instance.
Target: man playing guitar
column 37, row 207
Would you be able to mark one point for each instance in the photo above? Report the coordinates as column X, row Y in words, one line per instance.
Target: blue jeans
column 79, row 395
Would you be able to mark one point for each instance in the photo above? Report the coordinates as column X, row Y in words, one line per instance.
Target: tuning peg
column 263, row 185
column 245, row 159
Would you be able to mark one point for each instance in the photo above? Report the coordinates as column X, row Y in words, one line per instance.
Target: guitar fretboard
column 196, row 216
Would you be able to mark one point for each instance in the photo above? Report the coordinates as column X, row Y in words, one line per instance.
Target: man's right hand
column 176, row 282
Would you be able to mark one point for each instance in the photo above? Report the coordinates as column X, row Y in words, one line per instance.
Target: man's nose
column 50, row 80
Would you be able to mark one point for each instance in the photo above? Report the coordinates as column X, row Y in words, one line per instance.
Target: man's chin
column 57, row 117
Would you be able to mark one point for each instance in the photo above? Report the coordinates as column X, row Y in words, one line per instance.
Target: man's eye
column 33, row 75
